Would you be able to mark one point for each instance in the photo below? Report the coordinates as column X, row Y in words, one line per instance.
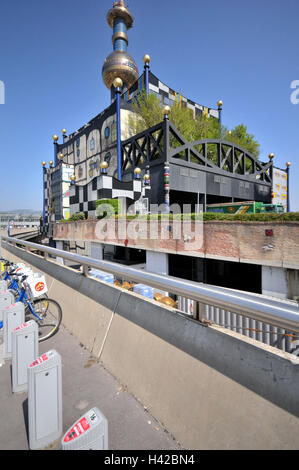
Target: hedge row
column 206, row 216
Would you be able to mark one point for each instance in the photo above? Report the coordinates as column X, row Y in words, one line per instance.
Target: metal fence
column 266, row 333
column 272, row 321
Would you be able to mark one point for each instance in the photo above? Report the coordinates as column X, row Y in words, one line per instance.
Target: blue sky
column 245, row 53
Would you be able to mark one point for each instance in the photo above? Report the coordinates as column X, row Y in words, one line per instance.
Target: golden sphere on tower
column 120, row 64
column 166, row 110
column 44, row 163
column 146, row 177
column 61, row 156
column 73, row 178
column 118, row 83
column 50, row 163
column 104, row 165
column 219, row 103
column 288, row 164
column 146, row 59
column 55, row 138
column 137, row 171
column 271, row 156
column 63, row 131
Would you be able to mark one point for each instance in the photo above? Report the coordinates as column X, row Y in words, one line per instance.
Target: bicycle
column 45, row 311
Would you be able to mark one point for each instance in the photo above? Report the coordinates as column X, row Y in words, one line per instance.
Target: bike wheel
column 50, row 314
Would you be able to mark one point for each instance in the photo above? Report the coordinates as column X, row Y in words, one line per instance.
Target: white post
column 45, row 400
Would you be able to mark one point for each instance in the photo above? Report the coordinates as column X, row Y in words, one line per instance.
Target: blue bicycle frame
column 22, row 296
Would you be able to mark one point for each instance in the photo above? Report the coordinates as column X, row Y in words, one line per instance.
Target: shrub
column 113, row 203
column 77, row 216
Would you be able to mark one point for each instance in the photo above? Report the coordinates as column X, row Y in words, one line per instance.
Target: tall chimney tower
column 119, row 64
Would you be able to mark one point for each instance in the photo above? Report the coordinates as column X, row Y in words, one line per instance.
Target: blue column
column 146, row 78
column 288, row 187
column 119, row 162
column 220, row 111
column 55, row 154
column 146, row 60
column 44, row 194
column 119, row 26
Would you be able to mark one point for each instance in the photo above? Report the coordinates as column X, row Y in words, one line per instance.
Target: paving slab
column 85, row 384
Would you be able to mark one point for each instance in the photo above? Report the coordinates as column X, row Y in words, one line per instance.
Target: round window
column 107, row 133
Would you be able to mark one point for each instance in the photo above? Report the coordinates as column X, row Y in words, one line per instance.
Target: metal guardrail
column 274, row 312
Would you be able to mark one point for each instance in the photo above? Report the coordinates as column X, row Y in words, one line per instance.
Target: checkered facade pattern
column 169, row 97
column 83, row 198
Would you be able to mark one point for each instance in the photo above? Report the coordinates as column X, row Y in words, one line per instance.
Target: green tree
column 148, row 113
column 240, row 136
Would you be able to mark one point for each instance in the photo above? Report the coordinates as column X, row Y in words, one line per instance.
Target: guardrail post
column 201, row 311
column 84, row 270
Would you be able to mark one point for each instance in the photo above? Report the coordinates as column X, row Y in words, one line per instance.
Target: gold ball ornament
column 137, row 171
column 288, row 164
column 55, row 138
column 50, row 163
column 146, row 59
column 73, row 178
column 271, row 156
column 104, row 165
column 61, row 156
column 118, row 83
column 220, row 104
column 44, row 163
column 63, row 131
column 166, row 110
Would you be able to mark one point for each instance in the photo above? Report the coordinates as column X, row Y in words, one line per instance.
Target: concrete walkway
column 86, row 384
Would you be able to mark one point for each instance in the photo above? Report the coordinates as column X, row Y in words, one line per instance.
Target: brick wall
column 233, row 241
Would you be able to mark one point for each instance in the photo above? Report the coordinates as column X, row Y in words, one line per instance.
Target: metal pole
column 44, row 196
column 220, row 111
column 118, row 93
column 146, row 60
column 55, row 154
column 288, row 186
column 146, row 78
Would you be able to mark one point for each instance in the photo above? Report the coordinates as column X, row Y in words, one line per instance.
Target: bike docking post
column 45, row 400
column 90, row 432
column 6, row 299
column 13, row 316
column 3, row 286
column 24, row 352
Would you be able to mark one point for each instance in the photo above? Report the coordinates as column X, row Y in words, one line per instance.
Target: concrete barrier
column 210, row 387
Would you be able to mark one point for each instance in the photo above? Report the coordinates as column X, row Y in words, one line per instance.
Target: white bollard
column 24, row 351
column 6, row 299
column 90, row 432
column 13, row 316
column 3, row 286
column 45, row 400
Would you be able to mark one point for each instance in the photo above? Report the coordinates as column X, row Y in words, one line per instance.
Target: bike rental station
column 27, row 318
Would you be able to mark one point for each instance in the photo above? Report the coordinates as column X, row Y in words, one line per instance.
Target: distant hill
column 22, row 211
